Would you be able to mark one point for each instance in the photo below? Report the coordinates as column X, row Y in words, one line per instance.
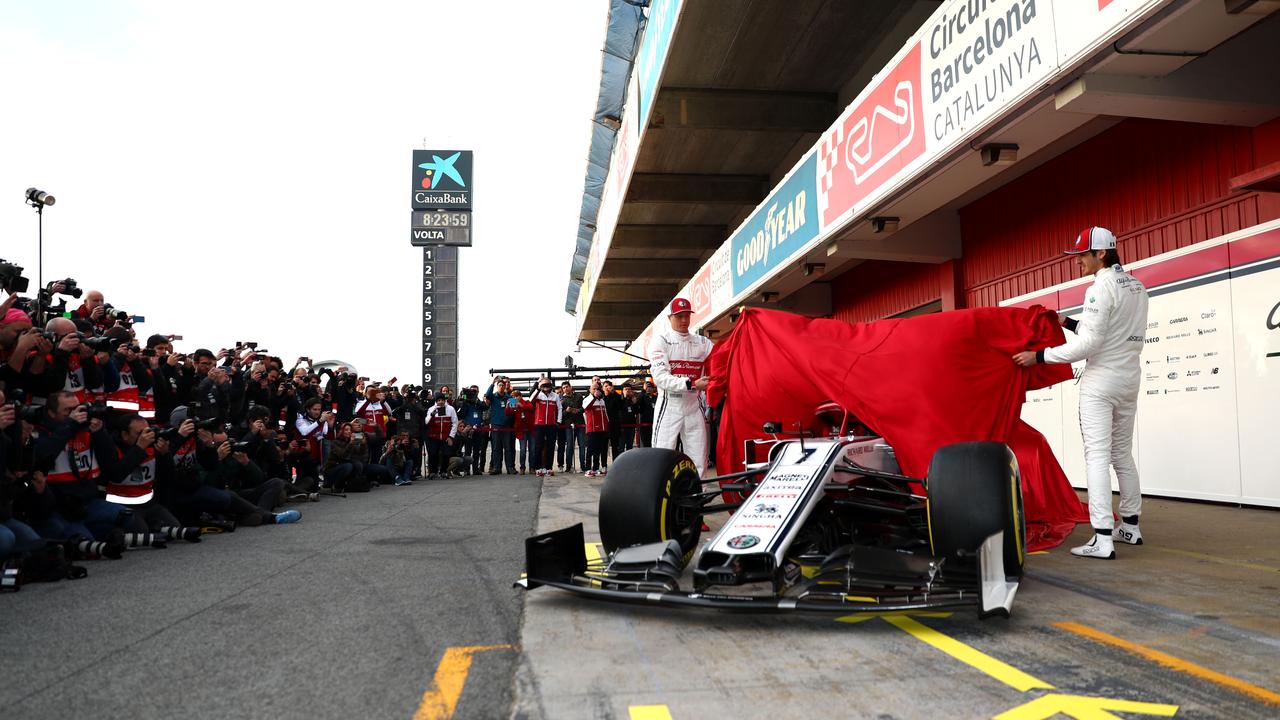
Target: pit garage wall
column 1163, row 188
column 1158, row 185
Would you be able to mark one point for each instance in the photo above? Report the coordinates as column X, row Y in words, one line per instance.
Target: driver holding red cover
column 678, row 365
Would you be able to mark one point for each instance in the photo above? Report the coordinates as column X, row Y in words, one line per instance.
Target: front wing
column 857, row 581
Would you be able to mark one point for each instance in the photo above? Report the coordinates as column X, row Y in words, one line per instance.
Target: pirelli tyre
column 650, row 495
column 974, row 489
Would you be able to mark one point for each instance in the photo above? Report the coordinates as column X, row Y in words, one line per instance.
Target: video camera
column 69, row 287
column 11, row 279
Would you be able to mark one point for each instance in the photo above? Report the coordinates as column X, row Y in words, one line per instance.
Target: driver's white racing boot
column 1100, row 547
column 1127, row 533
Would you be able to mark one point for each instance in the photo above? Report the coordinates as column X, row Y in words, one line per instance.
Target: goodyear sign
column 778, row 229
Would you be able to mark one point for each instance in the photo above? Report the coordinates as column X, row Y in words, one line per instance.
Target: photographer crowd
column 108, row 443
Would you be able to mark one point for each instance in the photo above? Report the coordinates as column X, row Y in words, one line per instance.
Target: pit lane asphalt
column 345, row 614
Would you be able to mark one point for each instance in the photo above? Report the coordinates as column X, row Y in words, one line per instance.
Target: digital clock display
column 440, row 219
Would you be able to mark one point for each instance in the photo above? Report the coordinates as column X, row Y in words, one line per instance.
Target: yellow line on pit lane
column 1260, row 694
column 649, row 712
column 1005, row 673
column 441, row 699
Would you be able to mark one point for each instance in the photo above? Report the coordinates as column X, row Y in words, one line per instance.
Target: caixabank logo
column 442, row 179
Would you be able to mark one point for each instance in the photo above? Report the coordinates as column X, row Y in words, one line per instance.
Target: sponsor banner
column 652, row 56
column 778, row 229
column 1083, row 25
column 621, row 163
column 874, row 139
column 442, row 179
column 981, row 57
column 1210, row 371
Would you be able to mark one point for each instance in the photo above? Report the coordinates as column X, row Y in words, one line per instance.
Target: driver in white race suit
column 1109, row 338
column 677, row 361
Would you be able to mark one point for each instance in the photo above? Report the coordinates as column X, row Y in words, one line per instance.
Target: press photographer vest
column 126, row 396
column 138, row 488
column 76, row 461
column 75, row 378
column 597, row 416
column 184, row 457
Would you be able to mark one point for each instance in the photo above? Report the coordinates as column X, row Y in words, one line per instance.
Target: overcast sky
column 240, row 170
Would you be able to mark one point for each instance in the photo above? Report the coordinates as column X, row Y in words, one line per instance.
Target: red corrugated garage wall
column 1158, row 185
column 878, row 289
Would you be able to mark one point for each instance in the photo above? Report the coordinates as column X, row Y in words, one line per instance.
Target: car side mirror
column 773, row 428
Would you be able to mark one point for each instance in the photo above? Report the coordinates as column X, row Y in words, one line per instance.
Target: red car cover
column 920, row 383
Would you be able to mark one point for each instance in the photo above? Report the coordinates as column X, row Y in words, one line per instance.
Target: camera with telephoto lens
column 100, row 344
column 11, row 279
column 166, row 433
column 97, row 410
column 117, row 314
column 243, row 446
column 211, row 425
column 28, row 413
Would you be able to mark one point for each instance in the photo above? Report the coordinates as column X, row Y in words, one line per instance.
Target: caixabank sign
column 442, row 180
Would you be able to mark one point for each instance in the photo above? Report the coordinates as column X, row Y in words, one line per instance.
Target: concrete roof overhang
column 747, row 88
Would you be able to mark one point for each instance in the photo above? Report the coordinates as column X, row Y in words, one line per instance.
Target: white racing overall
column 1109, row 338
column 677, row 359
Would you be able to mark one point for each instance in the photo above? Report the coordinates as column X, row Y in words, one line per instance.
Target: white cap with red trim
column 680, row 305
column 1092, row 238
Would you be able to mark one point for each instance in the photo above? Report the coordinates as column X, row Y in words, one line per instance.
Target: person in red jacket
column 442, row 428
column 547, row 411
column 523, row 411
column 597, row 417
column 376, row 414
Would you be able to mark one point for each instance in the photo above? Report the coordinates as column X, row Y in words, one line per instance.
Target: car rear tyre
column 649, row 496
column 974, row 490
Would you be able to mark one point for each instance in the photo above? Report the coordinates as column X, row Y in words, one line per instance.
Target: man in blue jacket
column 472, row 412
column 502, row 424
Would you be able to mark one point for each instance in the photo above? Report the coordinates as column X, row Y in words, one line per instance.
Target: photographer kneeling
column 242, row 477
column 347, row 467
column 131, row 481
column 198, row 485
column 72, row 442
column 312, row 427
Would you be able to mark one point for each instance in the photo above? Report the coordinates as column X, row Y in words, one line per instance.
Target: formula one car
column 827, row 524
